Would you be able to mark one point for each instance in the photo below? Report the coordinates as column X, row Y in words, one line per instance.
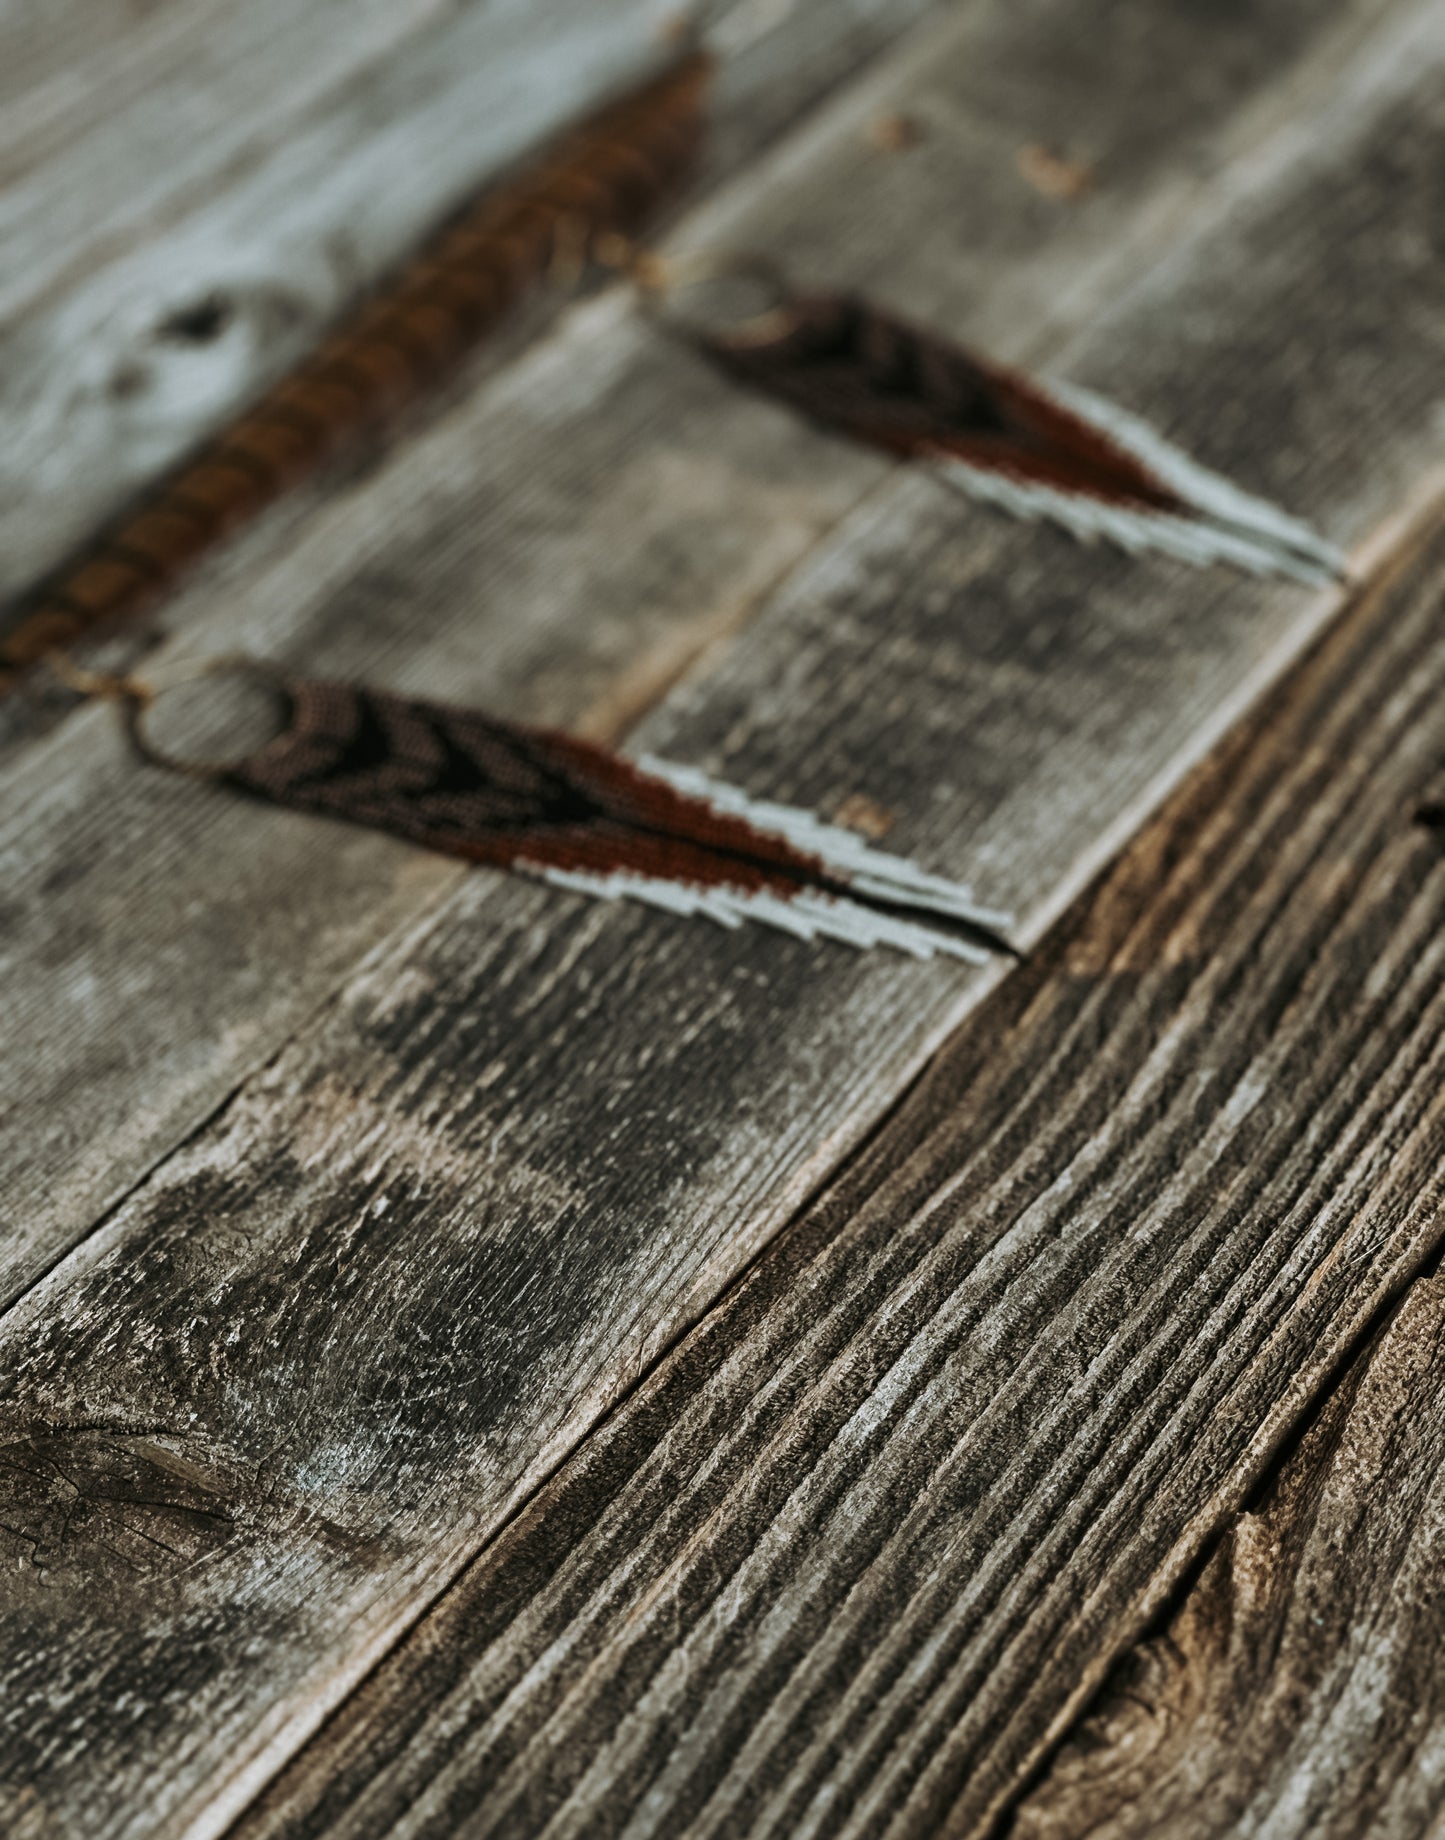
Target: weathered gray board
column 409, row 1263
column 276, row 176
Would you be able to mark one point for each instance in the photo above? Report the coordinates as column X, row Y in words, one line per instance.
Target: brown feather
column 607, row 175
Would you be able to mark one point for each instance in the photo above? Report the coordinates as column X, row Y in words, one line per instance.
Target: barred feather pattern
column 588, row 820
column 1035, row 450
column 607, row 175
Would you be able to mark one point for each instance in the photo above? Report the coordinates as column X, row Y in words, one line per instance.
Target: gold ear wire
column 137, row 696
column 658, row 277
column 110, row 686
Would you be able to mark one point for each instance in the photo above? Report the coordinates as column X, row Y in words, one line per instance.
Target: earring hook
column 137, row 697
column 658, row 278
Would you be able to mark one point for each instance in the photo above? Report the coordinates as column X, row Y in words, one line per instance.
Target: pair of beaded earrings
column 583, row 818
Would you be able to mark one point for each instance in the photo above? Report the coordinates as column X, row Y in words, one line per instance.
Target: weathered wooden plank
column 45, row 50
column 849, row 1558
column 484, row 562
column 114, row 111
column 33, row 46
column 368, row 1306
column 1297, row 1689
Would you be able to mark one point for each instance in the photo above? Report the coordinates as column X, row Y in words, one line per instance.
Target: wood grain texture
column 254, row 170
column 118, row 111
column 45, row 40
column 1298, row 1688
column 846, row 1562
column 372, row 1301
column 483, row 563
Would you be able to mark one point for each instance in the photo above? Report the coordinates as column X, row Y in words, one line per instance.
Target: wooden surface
column 479, row 527
column 860, row 1548
column 347, row 1192
column 1298, row 1687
